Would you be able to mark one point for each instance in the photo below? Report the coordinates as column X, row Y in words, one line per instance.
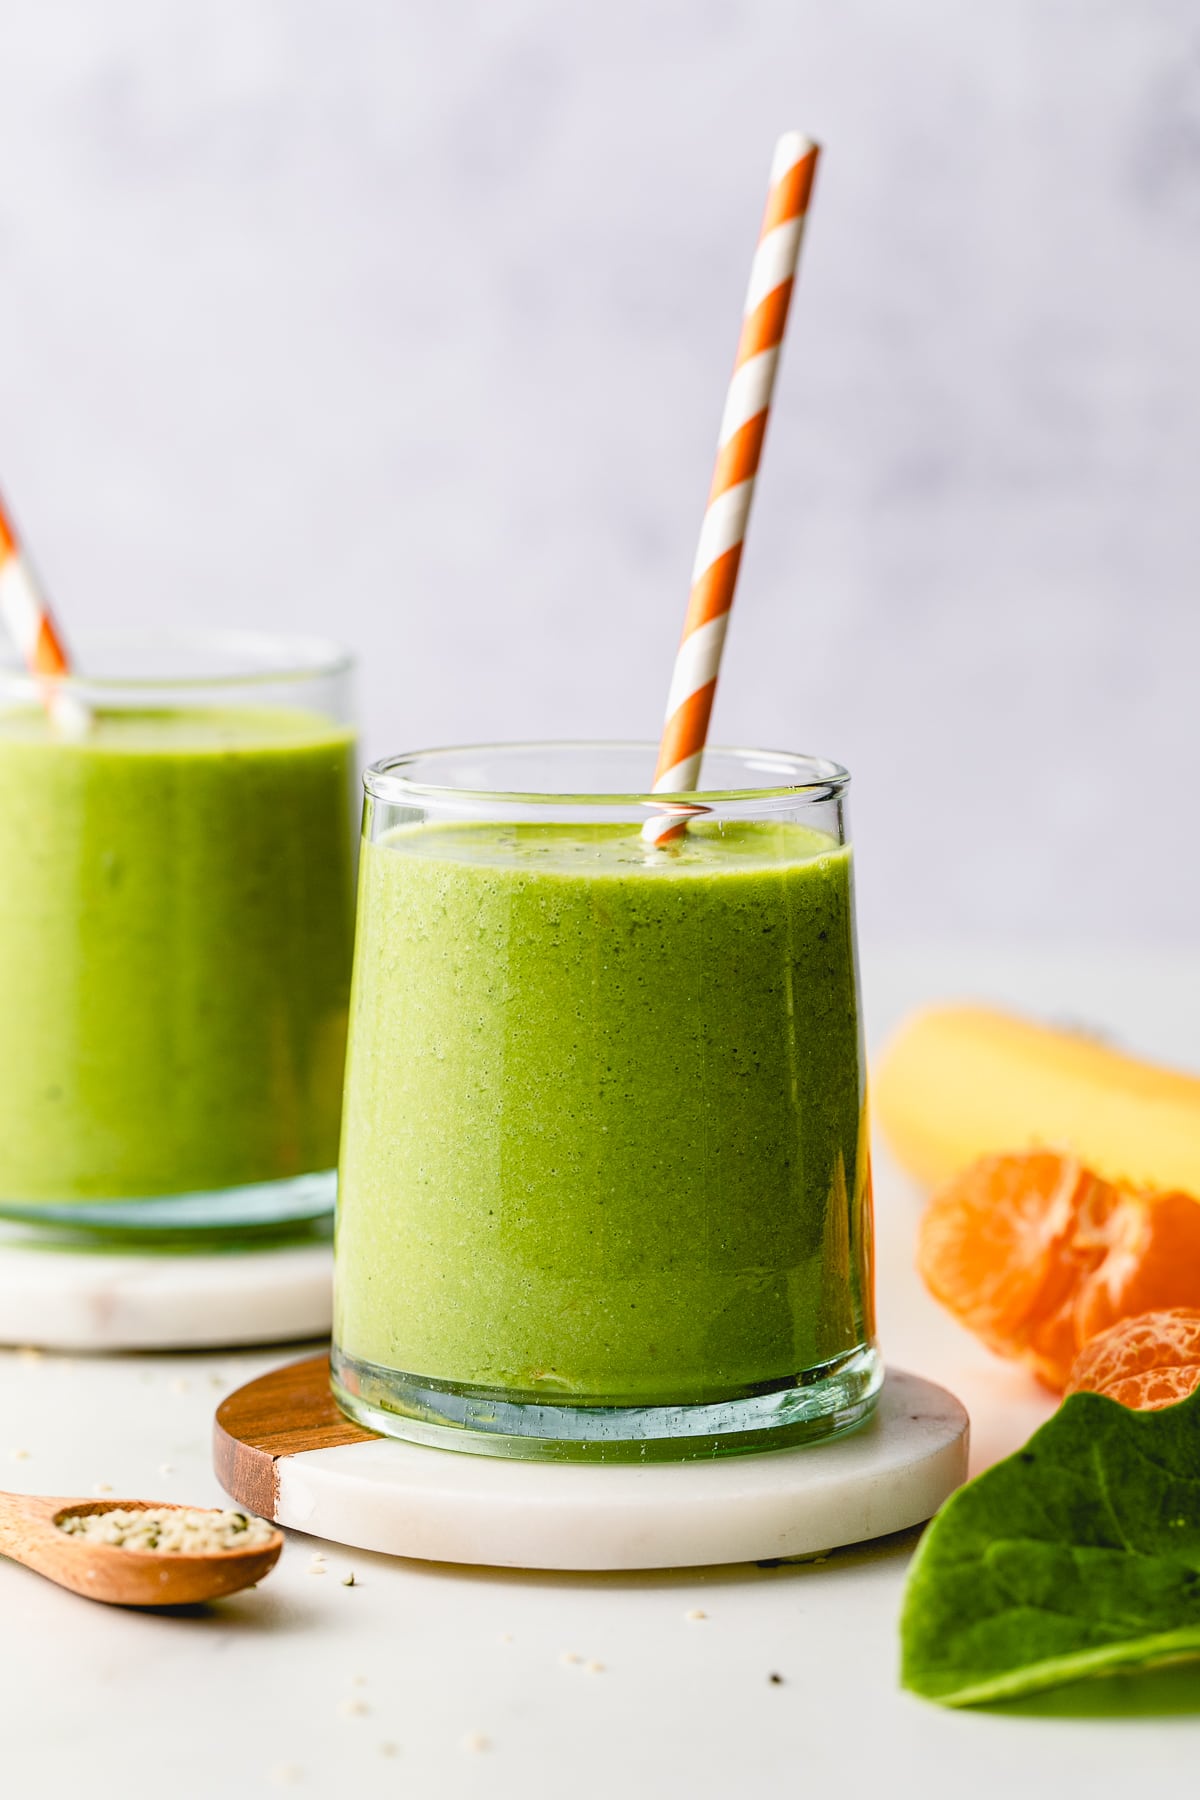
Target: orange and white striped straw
column 739, row 449
column 26, row 612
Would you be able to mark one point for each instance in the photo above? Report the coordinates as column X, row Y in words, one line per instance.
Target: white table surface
column 439, row 1682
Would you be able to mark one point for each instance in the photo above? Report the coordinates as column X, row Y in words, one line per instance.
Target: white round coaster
column 376, row 1493
column 73, row 1299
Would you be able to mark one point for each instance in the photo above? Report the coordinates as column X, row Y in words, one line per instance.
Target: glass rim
column 284, row 658
column 382, row 781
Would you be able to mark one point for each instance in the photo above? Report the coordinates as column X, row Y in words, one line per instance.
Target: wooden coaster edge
column 283, row 1413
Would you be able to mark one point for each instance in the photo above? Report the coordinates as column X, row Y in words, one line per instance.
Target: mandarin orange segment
column 1153, row 1263
column 1036, row 1255
column 995, row 1248
column 1148, row 1361
column 986, row 1246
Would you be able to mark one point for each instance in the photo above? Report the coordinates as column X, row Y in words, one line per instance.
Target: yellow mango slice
column 957, row 1082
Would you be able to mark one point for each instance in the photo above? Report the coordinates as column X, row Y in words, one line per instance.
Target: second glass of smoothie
column 176, row 917
column 604, row 1178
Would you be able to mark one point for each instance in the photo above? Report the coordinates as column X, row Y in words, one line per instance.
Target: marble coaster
column 71, row 1299
column 284, row 1450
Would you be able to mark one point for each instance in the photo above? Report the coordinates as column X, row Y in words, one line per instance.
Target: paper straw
column 739, row 449
column 26, row 612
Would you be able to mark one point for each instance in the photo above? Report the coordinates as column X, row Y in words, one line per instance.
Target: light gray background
column 412, row 322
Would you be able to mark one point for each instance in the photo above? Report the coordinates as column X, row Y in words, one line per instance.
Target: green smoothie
column 604, row 1130
column 175, row 934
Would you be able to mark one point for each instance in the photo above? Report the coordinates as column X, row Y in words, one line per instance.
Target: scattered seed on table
column 180, row 1385
column 348, row 1580
column 102, row 1487
column 569, row 1656
column 354, row 1709
column 595, row 1668
column 476, row 1741
column 166, row 1468
column 389, row 1749
column 695, row 1615
column 775, row 1680
column 19, row 1455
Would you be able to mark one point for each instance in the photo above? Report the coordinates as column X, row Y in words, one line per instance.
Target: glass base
column 817, row 1404
column 300, row 1208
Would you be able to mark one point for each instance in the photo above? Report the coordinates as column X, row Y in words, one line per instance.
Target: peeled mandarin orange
column 1153, row 1261
column 1148, row 1361
column 995, row 1247
column 1036, row 1255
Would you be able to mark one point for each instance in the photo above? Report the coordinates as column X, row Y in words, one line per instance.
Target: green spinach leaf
column 1080, row 1555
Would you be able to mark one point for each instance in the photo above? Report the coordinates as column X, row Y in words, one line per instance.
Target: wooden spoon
column 29, row 1534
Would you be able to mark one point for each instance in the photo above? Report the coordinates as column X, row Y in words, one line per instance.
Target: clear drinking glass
column 604, row 1183
column 176, row 919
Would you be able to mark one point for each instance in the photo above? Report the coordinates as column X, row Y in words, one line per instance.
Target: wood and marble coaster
column 285, row 1450
column 73, row 1299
